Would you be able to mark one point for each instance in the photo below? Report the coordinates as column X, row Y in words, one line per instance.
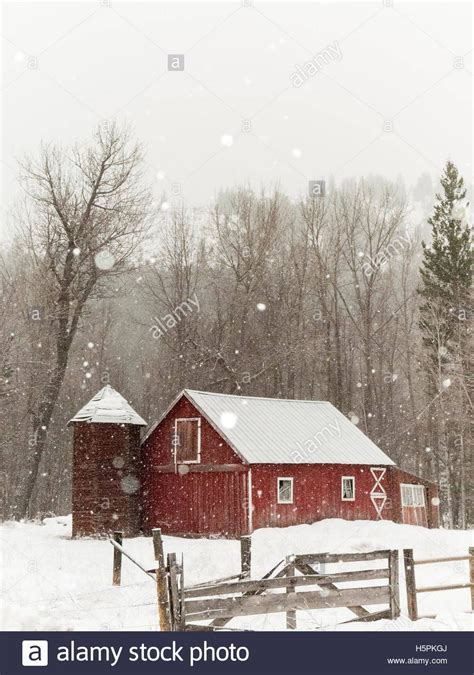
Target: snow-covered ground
column 51, row 582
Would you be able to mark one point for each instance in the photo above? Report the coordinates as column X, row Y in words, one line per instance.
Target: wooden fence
column 292, row 585
column 286, row 588
column 412, row 589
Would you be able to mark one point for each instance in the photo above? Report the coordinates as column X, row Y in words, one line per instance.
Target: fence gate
column 289, row 587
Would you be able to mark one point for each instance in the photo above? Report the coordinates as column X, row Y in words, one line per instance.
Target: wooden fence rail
column 313, row 579
column 118, row 547
column 413, row 590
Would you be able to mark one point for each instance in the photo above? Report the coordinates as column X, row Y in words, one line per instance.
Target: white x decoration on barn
column 378, row 496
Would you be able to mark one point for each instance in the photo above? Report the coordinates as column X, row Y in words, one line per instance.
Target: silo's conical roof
column 110, row 407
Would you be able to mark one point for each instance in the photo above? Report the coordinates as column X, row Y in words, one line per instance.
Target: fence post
column 291, row 613
column 182, row 613
column 393, row 581
column 471, row 574
column 161, row 586
column 117, row 567
column 245, row 555
column 175, row 605
column 410, row 583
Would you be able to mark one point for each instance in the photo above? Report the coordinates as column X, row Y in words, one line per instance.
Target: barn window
column 348, row 488
column 285, row 490
column 412, row 495
column 187, row 440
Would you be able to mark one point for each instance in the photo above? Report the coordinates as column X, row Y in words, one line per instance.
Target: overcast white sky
column 96, row 61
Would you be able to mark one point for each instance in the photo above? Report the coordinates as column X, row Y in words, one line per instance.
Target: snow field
column 51, row 582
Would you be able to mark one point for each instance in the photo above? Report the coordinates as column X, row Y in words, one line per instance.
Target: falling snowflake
column 228, row 420
column 165, row 206
column 297, row 153
column 353, row 418
column 261, row 306
column 227, row 140
column 130, row 484
column 118, row 462
column 76, row 251
column 446, row 383
column 104, row 260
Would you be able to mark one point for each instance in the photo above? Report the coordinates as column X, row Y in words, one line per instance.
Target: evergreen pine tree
column 446, row 270
column 446, row 276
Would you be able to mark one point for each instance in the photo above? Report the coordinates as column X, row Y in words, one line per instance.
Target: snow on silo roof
column 108, row 406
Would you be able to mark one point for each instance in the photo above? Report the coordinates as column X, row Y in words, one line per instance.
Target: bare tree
column 85, row 215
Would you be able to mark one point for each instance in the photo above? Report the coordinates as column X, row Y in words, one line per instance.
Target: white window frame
column 175, row 447
column 286, row 501
column 413, row 491
column 348, row 499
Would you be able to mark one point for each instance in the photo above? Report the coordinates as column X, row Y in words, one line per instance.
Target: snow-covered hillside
column 50, row 582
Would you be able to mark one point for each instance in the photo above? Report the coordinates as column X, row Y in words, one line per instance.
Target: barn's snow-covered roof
column 280, row 431
column 108, row 406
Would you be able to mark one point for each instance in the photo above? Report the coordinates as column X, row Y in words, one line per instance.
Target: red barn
column 222, row 465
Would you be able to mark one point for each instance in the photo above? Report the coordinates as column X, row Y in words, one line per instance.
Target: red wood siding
column 316, row 494
column 198, row 503
column 105, row 455
column 209, row 498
